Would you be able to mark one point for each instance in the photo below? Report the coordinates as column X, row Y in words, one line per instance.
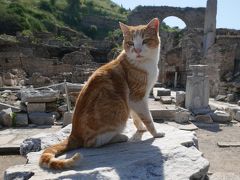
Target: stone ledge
column 171, row 157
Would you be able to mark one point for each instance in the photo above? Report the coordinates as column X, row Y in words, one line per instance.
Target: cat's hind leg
column 110, row 138
column 119, row 138
column 104, row 138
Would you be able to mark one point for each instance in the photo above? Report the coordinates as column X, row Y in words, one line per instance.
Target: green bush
column 47, row 15
column 27, row 33
column 16, row 8
column 53, row 2
column 49, row 25
column 46, row 6
column 89, row 3
column 35, row 24
column 10, row 23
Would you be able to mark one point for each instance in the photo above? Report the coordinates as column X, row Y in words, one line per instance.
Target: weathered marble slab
column 172, row 157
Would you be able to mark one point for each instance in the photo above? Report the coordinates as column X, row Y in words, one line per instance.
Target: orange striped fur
column 104, row 104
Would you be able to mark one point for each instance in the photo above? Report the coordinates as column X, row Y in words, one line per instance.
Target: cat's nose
column 138, row 50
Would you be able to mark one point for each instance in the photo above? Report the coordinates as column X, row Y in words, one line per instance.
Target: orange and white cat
column 115, row 90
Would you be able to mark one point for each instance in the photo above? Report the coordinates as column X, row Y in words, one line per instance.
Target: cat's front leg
column 142, row 110
column 138, row 122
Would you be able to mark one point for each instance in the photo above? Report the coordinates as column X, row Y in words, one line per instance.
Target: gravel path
column 224, row 162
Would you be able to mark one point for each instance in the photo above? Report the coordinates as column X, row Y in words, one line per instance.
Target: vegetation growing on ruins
column 48, row 15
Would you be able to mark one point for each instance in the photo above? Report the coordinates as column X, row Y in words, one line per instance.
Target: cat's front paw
column 159, row 135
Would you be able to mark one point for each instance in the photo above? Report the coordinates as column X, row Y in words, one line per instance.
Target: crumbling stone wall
column 45, row 64
column 177, row 54
column 223, row 60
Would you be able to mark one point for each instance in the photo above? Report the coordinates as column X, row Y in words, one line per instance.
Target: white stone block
column 237, row 116
column 182, row 116
column 166, row 99
column 180, row 98
column 161, row 92
column 36, row 107
column 67, row 118
column 6, row 117
column 21, row 119
column 41, row 118
column 31, row 95
column 197, row 89
column 221, row 117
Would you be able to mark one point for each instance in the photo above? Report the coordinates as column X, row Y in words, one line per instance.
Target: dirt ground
column 10, row 160
column 224, row 162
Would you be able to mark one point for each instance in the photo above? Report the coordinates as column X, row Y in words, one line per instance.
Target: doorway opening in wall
column 172, row 65
column 174, row 22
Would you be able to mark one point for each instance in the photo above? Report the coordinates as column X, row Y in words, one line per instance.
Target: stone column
column 197, row 89
column 210, row 25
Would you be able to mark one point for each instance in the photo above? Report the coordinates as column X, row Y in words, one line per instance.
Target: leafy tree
column 73, row 6
column 53, row 2
column 45, row 5
column 73, row 12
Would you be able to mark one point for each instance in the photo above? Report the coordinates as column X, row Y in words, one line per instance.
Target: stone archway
column 193, row 17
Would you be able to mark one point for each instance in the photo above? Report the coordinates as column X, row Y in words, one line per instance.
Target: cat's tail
column 48, row 158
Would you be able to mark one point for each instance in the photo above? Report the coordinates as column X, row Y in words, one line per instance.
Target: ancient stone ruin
column 201, row 43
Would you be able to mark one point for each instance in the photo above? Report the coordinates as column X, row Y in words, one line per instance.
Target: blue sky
column 228, row 15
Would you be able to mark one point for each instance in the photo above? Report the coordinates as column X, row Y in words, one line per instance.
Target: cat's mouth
column 139, row 56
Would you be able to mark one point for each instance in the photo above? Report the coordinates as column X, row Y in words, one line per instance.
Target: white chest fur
column 151, row 67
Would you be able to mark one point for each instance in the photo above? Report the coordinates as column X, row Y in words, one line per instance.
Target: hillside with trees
column 28, row 17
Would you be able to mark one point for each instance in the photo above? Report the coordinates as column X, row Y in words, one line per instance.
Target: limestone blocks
column 182, row 115
column 197, row 89
column 180, row 98
column 238, row 116
column 67, row 118
column 9, row 79
column 36, row 107
column 221, row 116
column 39, row 105
column 6, row 117
column 37, row 96
column 162, row 94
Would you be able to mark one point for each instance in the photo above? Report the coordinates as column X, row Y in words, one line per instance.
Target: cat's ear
column 124, row 28
column 154, row 24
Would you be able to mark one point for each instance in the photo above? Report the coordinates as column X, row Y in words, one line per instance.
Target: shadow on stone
column 119, row 163
column 142, row 157
column 214, row 127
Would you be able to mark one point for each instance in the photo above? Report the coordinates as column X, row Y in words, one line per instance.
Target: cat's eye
column 145, row 41
column 130, row 43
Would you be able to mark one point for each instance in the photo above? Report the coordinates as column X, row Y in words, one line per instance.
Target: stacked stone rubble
column 41, row 105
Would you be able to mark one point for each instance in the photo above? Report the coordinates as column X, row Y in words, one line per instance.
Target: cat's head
column 141, row 42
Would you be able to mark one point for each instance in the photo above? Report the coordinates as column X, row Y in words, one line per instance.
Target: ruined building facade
column 200, row 43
